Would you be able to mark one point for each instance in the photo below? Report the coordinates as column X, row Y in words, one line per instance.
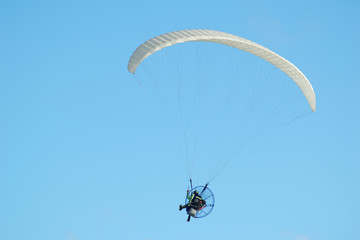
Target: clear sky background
column 84, row 154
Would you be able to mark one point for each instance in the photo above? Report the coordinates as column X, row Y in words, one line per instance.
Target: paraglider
column 200, row 200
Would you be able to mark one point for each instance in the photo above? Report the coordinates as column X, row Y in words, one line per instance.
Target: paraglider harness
column 195, row 201
column 195, row 204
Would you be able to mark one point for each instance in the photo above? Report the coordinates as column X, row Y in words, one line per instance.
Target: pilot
column 196, row 203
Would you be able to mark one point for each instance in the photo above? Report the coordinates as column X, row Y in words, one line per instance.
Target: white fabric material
column 169, row 39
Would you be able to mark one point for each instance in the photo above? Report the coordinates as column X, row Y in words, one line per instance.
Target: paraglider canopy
column 169, row 39
column 207, row 195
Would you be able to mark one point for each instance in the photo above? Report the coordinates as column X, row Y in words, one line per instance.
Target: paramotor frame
column 207, row 195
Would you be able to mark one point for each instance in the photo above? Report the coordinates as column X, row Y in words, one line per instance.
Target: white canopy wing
column 172, row 38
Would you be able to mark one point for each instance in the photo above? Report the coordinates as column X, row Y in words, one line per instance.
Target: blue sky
column 84, row 153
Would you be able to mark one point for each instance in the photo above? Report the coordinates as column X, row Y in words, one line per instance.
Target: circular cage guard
column 207, row 195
